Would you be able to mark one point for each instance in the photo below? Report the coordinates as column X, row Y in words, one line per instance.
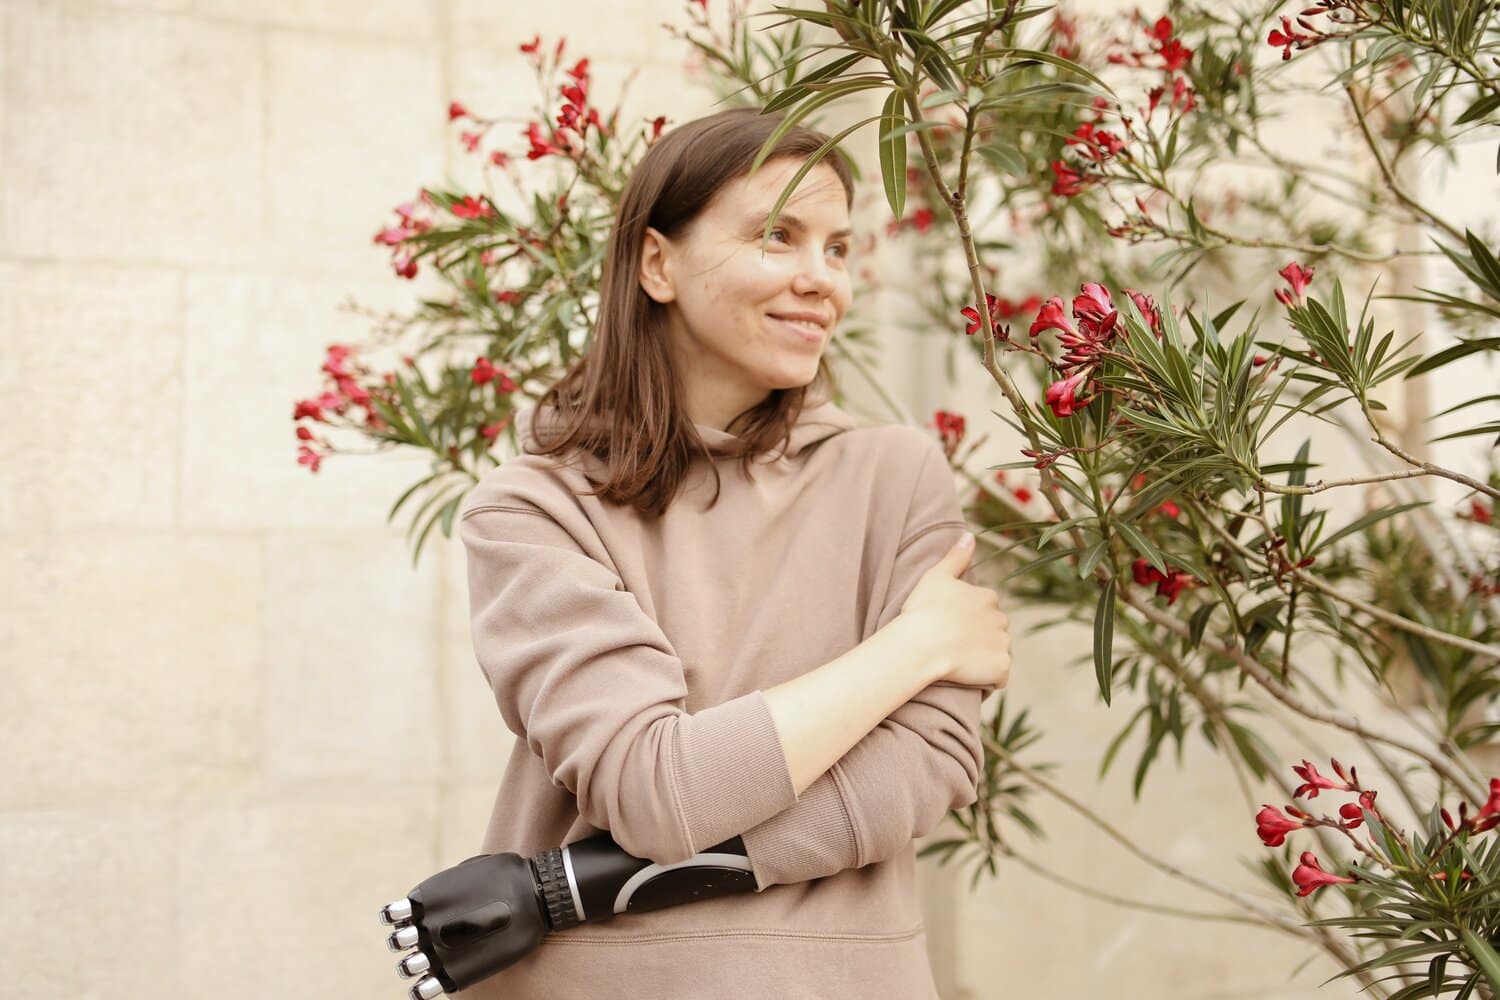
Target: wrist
column 910, row 635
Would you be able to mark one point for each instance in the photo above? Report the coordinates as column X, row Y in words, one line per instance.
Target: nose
column 817, row 277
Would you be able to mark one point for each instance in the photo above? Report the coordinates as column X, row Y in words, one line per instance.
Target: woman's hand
column 961, row 625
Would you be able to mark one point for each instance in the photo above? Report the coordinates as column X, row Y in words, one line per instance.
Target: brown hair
column 621, row 400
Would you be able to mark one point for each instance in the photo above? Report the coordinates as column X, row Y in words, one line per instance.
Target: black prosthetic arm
column 468, row 922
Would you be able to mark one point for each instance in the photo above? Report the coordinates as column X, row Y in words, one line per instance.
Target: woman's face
column 723, row 294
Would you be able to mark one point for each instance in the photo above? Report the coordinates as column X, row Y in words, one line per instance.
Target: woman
column 690, row 648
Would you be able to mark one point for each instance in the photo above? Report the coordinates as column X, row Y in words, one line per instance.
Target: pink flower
column 1309, row 876
column 1313, row 781
column 470, row 140
column 1063, row 396
column 1272, row 826
column 1299, row 277
column 457, row 110
column 1051, row 317
column 308, row 457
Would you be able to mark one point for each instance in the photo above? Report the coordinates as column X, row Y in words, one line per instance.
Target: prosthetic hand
column 468, row 922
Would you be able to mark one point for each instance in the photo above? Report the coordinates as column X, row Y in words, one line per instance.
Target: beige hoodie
column 629, row 656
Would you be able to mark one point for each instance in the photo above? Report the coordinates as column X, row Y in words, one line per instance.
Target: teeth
column 811, row 327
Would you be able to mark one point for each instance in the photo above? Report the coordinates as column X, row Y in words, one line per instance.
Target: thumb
column 956, row 560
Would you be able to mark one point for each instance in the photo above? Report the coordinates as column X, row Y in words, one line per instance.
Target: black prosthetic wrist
column 468, row 922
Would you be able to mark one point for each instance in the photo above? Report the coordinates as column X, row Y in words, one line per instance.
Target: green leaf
column 1104, row 640
column 1478, row 110
column 893, row 155
column 1451, row 354
column 1484, row 956
column 1141, row 544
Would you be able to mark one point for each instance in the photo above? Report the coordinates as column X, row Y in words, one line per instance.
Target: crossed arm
column 592, row 684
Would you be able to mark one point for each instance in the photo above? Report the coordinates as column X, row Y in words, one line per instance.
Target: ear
column 656, row 269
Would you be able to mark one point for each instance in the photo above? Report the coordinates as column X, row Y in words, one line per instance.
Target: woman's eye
column 842, row 248
column 781, row 231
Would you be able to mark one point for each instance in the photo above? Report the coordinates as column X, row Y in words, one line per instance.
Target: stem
column 1339, row 720
column 1409, row 459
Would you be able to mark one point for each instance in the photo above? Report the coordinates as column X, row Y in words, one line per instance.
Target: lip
column 801, row 332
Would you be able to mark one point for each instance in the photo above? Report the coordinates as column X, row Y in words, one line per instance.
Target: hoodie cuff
column 812, row 839
column 731, row 770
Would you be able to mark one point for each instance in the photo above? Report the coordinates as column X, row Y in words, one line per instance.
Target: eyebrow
column 759, row 222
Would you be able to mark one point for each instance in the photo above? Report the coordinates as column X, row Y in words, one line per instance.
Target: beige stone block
column 351, row 671
column 254, row 347
column 395, row 20
column 622, row 33
column 133, row 136
column 279, row 895
column 355, row 127
column 134, row 661
column 89, row 900
column 94, row 381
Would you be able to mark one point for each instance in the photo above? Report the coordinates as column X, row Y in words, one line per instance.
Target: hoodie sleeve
column 588, row 679
column 920, row 762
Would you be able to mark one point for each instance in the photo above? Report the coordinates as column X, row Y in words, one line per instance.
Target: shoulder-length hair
column 621, row 401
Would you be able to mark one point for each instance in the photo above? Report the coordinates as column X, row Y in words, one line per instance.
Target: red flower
column 1161, row 30
column 1169, row 508
column 471, row 208
column 1354, row 812
column 541, row 146
column 1299, row 278
column 1063, row 396
column 405, row 265
column 1489, row 813
column 1094, row 310
column 1309, row 877
column 1022, row 494
column 304, row 433
column 1313, row 781
column 1148, row 309
column 499, row 159
column 950, row 426
column 457, row 110
column 1288, row 37
column 470, row 140
column 971, row 314
column 1051, row 317
column 491, row 431
column 1271, row 826
column 483, row 371
column 1144, row 573
column 1068, row 182
column 530, row 47
column 1175, row 55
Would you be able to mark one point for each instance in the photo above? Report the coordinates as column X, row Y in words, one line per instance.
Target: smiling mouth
column 808, row 331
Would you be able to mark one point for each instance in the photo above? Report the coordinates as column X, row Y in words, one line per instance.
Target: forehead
column 818, row 198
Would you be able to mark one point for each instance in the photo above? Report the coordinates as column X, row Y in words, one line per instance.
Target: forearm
column 826, row 711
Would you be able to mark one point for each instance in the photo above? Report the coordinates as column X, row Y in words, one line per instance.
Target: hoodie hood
column 817, row 421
